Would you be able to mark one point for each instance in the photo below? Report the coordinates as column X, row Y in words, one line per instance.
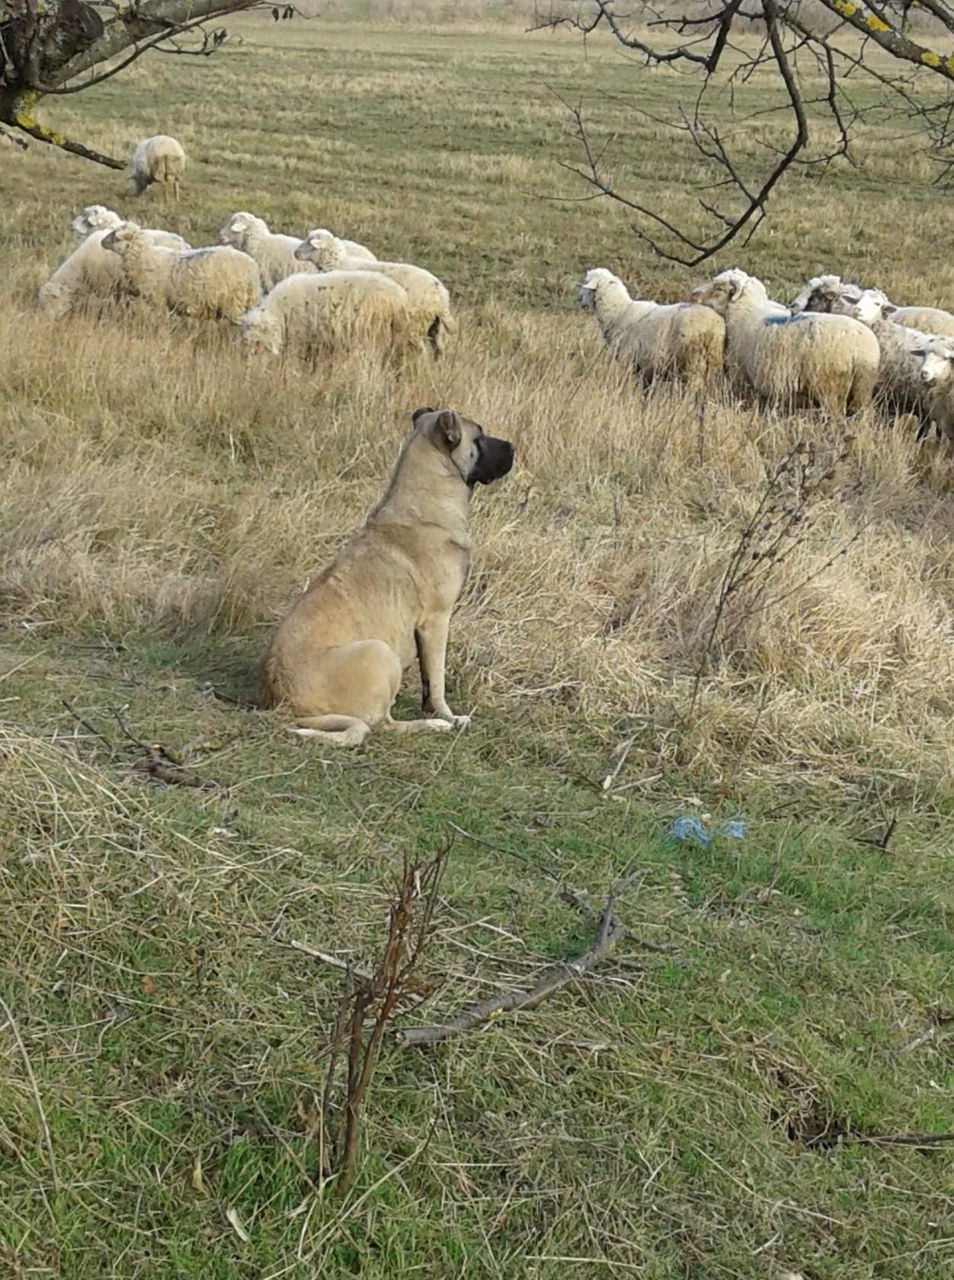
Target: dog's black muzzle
column 494, row 459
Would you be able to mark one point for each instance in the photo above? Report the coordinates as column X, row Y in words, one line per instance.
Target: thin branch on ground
column 88, row 725
column 609, row 932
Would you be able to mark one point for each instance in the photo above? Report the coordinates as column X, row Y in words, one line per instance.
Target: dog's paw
column 439, row 726
column 460, row 722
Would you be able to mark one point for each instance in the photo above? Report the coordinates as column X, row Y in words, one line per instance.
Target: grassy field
column 703, row 1105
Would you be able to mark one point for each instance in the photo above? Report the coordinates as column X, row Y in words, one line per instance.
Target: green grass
column 639, row 1120
column 655, row 1119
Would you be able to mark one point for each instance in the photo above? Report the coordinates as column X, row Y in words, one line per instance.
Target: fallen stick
column 609, row 932
column 886, row 1140
column 334, row 961
column 87, row 724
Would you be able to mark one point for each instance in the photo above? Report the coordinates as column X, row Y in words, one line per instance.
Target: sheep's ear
column 448, row 424
column 419, row 413
column 888, row 309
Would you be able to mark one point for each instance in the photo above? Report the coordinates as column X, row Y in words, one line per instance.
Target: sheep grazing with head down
column 330, row 311
column 826, row 360
column 428, row 302
column 681, row 340
column 830, row 293
column 218, row 281
column 158, row 159
column 91, row 275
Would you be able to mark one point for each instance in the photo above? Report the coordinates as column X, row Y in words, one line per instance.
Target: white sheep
column 428, row 302
column 680, row 339
column 275, row 253
column 937, row 379
column 158, row 159
column 830, row 293
column 217, row 281
column 91, row 274
column 828, row 360
column 311, row 314
column 96, row 217
column 904, row 352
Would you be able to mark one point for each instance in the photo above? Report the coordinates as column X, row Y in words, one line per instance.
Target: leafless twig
column 609, row 932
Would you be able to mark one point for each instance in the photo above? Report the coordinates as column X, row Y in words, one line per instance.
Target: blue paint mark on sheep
column 783, row 319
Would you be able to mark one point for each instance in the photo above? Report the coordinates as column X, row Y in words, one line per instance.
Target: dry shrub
column 155, row 481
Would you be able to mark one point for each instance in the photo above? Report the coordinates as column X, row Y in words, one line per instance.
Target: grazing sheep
column 831, row 361
column 307, row 315
column 830, row 293
column 217, row 281
column 91, row 274
column 682, row 339
column 159, row 159
column 428, row 302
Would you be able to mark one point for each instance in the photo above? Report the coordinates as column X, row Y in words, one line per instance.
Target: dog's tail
column 341, row 731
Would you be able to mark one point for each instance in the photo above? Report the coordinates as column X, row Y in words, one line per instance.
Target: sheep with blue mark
column 829, row 361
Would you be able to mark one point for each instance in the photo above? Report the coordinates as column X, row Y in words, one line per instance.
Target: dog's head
column 479, row 458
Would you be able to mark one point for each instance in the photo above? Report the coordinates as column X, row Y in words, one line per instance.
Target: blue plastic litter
column 690, row 828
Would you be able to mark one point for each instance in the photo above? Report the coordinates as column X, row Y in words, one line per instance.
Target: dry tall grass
column 156, row 482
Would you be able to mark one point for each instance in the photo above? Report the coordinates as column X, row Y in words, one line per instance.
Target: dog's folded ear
column 419, row 413
column 448, row 424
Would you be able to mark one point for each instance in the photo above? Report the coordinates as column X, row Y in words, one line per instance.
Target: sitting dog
column 336, row 659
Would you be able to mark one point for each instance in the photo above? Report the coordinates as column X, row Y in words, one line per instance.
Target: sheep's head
column 236, row 230
column 870, row 306
column 322, row 248
column 726, row 288
column 818, row 294
column 596, row 278
column 95, row 217
column 261, row 331
column 936, row 357
column 121, row 237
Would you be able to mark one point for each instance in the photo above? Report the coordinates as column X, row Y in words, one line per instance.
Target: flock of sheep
column 290, row 296
column 837, row 346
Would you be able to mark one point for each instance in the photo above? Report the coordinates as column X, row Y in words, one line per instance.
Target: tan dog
column 336, row 659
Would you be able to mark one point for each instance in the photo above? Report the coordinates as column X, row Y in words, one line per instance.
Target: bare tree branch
column 610, row 930
column 47, row 45
column 812, row 55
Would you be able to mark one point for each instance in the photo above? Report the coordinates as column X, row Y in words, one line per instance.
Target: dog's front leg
column 431, row 640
